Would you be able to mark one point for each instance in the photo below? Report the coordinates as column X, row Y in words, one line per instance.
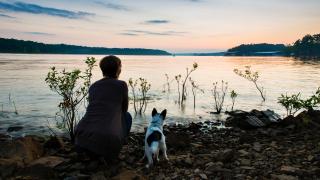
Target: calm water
column 23, row 76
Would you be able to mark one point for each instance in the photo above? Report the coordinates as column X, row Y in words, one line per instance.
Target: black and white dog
column 155, row 139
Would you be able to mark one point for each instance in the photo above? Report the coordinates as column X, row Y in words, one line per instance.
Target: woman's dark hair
column 109, row 66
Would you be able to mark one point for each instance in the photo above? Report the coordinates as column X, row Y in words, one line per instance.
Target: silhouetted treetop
column 308, row 46
column 20, row 46
column 256, row 49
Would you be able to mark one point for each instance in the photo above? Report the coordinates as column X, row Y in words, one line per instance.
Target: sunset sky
column 172, row 25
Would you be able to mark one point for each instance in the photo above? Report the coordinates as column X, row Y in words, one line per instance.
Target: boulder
column 252, row 120
column 24, row 149
column 8, row 167
column 309, row 119
column 48, row 161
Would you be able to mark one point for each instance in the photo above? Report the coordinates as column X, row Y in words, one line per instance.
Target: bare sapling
column 167, row 84
column 252, row 76
column 178, row 79
column 219, row 95
column 195, row 88
column 139, row 89
column 233, row 96
column 11, row 101
column 188, row 73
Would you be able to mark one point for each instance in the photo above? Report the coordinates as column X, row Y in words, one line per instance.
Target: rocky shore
column 196, row 151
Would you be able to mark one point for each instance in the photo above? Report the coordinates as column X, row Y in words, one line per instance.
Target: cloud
column 36, row 9
column 129, row 34
column 6, row 16
column 164, row 33
column 157, row 21
column 113, row 6
column 40, row 33
column 194, row 0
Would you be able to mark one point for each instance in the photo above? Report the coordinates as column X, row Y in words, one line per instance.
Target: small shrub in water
column 73, row 87
column 219, row 95
column 294, row 103
column 139, row 89
column 291, row 103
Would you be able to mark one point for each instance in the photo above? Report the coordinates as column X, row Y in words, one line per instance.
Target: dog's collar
column 156, row 129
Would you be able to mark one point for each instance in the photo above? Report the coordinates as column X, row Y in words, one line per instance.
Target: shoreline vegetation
column 307, row 47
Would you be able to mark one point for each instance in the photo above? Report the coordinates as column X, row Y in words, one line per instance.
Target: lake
column 22, row 77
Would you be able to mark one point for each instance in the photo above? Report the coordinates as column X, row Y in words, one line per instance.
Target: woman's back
column 102, row 129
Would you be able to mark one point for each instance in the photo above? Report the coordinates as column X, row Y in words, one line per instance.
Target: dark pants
column 127, row 123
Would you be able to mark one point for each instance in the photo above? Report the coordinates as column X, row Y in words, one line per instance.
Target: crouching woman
column 106, row 122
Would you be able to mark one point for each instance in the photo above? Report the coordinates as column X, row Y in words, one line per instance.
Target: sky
column 173, row 25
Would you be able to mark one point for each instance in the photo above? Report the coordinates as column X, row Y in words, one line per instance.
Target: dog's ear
column 163, row 114
column 154, row 112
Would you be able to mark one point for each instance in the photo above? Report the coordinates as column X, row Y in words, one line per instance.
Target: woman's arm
column 125, row 102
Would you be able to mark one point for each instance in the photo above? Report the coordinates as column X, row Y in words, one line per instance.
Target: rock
column 8, row 166
column 243, row 152
column 24, row 149
column 188, row 161
column 272, row 116
column 226, row 155
column 209, row 164
column 288, row 169
column 38, row 171
column 48, row 161
column 257, row 146
column 252, row 120
column 283, row 177
column 211, row 167
column 161, row 176
column 77, row 166
column 77, row 176
column 177, row 141
column 310, row 157
column 128, row 175
column 245, row 162
column 203, row 176
column 247, row 167
column 196, row 171
column 14, row 128
column 98, row 176
column 54, row 142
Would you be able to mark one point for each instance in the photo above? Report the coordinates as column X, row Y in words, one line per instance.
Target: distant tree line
column 20, row 46
column 308, row 46
column 256, row 49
